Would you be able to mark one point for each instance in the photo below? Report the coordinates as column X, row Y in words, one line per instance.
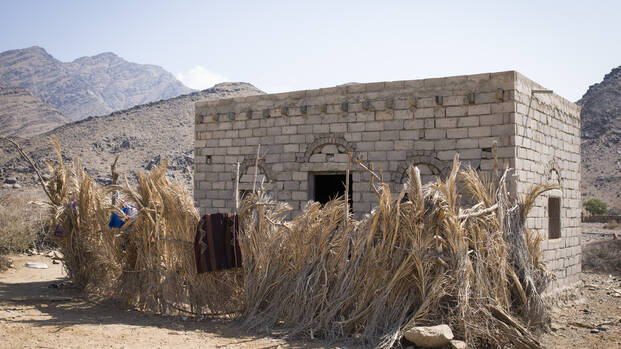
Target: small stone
column 594, row 330
column 457, row 344
column 10, row 180
column 429, row 336
column 17, row 186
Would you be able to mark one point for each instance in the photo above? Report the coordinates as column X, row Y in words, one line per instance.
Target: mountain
column 142, row 136
column 23, row 115
column 601, row 140
column 88, row 86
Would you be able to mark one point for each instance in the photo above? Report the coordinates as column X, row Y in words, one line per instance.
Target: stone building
column 305, row 137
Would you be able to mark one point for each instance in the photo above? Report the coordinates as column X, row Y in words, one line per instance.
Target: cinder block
column 469, row 121
column 457, row 133
column 403, row 114
column 446, row 123
column 445, row 144
column 456, row 111
column 482, row 131
column 436, row 134
column 481, row 109
column 384, row 115
column 384, row 145
column 292, row 148
column 338, row 128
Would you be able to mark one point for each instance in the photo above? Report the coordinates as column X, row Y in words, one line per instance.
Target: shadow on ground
column 65, row 307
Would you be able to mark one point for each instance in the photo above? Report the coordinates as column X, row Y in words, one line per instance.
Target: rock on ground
column 430, row 336
column 455, row 344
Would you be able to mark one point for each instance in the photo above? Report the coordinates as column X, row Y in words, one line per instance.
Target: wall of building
column 548, row 150
column 393, row 125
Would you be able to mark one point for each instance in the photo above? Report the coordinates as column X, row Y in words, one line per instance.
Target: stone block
column 479, row 109
column 403, row 114
column 384, row 115
column 384, row 145
column 291, row 148
column 457, row 133
column 468, row 121
column 446, row 123
column 317, row 158
column 413, row 124
column 445, row 144
column 436, row 134
column 482, row 131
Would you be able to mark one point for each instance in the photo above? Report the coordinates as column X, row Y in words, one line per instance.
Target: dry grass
column 421, row 261
column 5, row 263
column 602, row 257
column 611, row 224
column 418, row 258
column 149, row 262
column 21, row 223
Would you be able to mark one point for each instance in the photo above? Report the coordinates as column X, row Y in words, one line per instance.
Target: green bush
column 595, row 206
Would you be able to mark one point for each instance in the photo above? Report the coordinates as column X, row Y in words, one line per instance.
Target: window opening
column 554, row 217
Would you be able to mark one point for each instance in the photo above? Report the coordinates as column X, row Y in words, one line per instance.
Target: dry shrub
column 21, row 222
column 602, row 257
column 5, row 263
column 149, row 262
column 611, row 224
column 417, row 259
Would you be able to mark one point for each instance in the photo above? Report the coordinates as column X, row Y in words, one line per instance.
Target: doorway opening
column 326, row 187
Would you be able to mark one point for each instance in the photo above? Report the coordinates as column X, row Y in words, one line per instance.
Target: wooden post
column 237, row 189
column 256, row 169
column 346, row 215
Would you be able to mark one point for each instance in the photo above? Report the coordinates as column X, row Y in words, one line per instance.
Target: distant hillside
column 142, row 135
column 88, row 86
column 601, row 140
column 23, row 115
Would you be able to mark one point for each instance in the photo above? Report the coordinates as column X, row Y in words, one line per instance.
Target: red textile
column 215, row 243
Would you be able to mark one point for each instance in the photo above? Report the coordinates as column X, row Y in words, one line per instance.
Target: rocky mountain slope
column 24, row 115
column 601, row 140
column 142, row 135
column 88, row 86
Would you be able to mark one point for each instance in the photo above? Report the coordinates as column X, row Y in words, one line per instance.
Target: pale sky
column 290, row 45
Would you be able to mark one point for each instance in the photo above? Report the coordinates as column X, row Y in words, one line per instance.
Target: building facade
column 305, row 138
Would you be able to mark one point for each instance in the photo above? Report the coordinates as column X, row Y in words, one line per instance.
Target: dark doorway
column 330, row 186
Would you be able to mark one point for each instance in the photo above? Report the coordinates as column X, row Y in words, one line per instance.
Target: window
column 554, row 218
column 326, row 187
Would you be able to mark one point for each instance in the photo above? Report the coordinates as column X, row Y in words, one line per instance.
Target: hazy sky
column 286, row 45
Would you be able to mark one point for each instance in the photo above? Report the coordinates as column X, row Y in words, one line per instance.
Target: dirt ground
column 40, row 309
column 34, row 314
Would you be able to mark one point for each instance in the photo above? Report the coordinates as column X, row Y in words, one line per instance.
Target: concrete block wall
column 391, row 124
column 547, row 143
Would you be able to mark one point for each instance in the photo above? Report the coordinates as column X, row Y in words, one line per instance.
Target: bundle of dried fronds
column 149, row 261
column 80, row 215
column 419, row 258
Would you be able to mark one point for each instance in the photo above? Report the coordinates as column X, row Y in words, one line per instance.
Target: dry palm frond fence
column 419, row 258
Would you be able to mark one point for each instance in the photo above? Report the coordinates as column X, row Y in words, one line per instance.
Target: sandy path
column 32, row 315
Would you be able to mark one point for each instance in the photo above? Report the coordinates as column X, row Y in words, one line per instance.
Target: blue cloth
column 116, row 221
